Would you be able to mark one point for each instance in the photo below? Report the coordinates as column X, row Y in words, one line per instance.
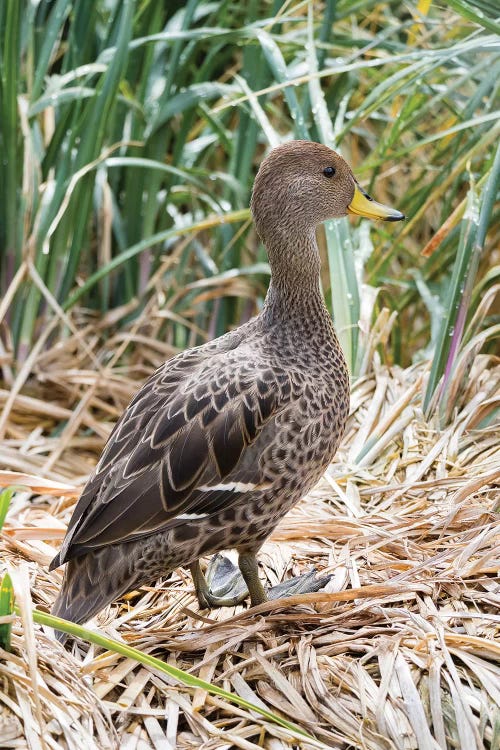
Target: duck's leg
column 247, row 563
column 304, row 584
column 229, row 585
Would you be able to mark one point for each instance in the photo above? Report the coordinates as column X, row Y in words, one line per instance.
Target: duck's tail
column 90, row 583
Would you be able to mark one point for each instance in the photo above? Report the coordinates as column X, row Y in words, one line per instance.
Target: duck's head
column 301, row 183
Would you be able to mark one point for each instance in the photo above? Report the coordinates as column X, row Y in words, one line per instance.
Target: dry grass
column 400, row 652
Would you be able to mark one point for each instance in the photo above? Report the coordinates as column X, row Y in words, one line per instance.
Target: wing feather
column 191, row 426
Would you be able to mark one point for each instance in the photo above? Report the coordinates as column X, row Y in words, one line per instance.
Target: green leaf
column 344, row 286
column 477, row 16
column 5, row 498
column 446, row 340
column 6, row 610
column 58, row 98
column 185, row 678
column 140, row 247
column 277, row 63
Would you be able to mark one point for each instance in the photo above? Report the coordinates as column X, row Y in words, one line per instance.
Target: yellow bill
column 363, row 205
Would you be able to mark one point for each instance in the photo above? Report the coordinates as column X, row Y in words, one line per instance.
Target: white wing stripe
column 232, row 487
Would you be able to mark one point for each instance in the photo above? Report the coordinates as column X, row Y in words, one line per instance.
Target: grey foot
column 224, row 579
column 226, row 583
column 223, row 585
column 307, row 583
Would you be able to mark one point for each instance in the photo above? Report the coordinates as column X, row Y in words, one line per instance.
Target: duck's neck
column 294, row 291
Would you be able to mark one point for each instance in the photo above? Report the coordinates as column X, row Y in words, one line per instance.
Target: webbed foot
column 223, row 586
column 226, row 585
column 307, row 583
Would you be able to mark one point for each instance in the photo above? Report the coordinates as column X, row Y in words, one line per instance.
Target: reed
column 130, row 133
column 144, row 125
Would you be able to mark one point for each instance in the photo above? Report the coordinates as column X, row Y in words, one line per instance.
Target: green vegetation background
column 130, row 132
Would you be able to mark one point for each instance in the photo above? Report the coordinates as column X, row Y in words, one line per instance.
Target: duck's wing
column 180, row 450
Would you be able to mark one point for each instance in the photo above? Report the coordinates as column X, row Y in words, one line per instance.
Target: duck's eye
column 329, row 171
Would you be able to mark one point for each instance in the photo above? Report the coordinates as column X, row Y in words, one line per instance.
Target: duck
column 225, row 438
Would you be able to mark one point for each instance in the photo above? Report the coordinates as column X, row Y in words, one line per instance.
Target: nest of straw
column 400, row 651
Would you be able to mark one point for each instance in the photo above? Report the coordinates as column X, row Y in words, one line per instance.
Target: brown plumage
column 225, row 438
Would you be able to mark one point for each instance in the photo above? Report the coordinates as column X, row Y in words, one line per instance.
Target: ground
column 400, row 651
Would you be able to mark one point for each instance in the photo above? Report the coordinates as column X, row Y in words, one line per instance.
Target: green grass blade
column 198, row 92
column 5, row 498
column 61, row 97
column 446, row 342
column 475, row 15
column 11, row 220
column 344, row 286
column 185, row 678
column 489, row 195
column 6, row 610
column 97, row 114
column 277, row 64
column 184, row 176
column 488, row 201
column 345, row 300
column 149, row 242
column 51, row 34
column 319, row 107
column 200, row 88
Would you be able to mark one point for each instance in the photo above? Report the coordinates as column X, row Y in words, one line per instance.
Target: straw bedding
column 400, row 651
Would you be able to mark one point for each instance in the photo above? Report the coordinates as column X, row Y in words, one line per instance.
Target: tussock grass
column 130, row 133
column 400, row 651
